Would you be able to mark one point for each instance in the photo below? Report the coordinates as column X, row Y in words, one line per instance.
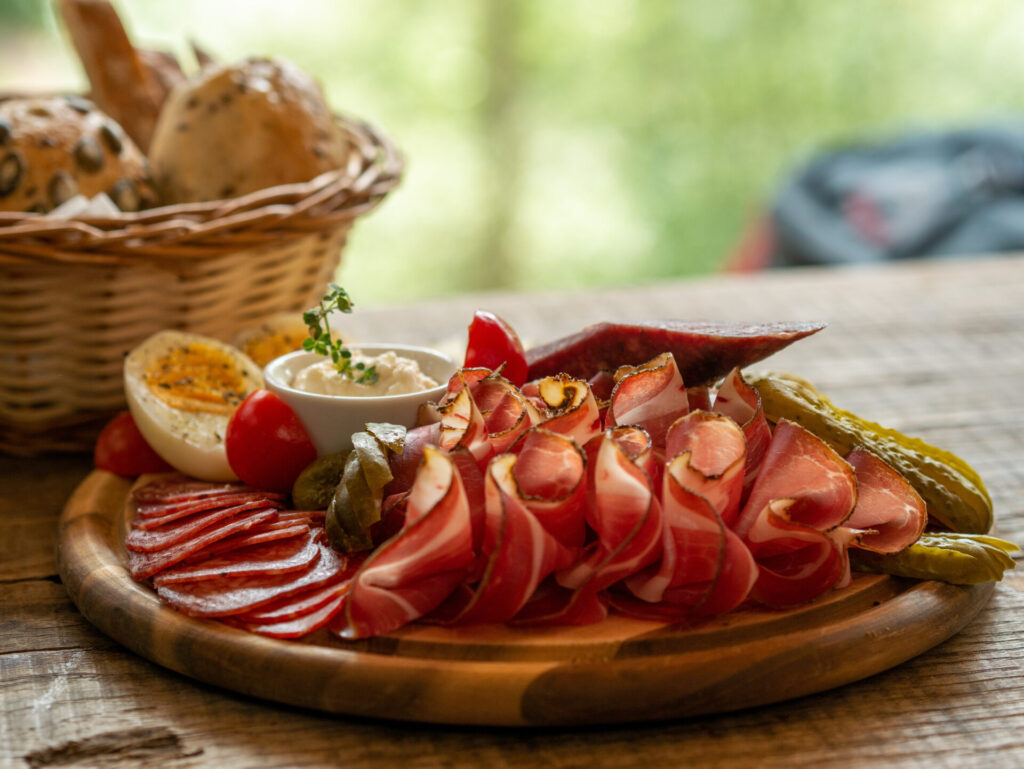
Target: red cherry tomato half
column 492, row 342
column 121, row 449
column 266, row 444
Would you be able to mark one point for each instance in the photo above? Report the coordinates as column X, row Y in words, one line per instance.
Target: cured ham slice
column 796, row 562
column 800, row 466
column 404, row 465
column 704, row 567
column 703, row 351
column 235, row 595
column 518, row 552
column 462, row 425
column 464, row 377
column 506, row 413
column 569, row 408
column 652, row 396
column 625, row 513
column 550, row 479
column 888, row 508
column 552, row 604
column 715, row 469
column 738, row 400
column 411, row 573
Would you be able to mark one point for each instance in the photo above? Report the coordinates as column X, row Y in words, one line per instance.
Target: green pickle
column 954, row 493
column 355, row 505
column 315, row 485
column 961, row 559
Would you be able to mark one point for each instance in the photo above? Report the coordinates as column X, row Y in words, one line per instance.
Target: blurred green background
column 587, row 142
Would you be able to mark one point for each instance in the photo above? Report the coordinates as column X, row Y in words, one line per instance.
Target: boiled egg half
column 182, row 389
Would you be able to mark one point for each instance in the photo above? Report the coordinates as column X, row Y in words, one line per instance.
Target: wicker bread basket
column 75, row 296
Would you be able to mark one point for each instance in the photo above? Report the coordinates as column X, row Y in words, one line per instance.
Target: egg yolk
column 197, row 377
column 273, row 345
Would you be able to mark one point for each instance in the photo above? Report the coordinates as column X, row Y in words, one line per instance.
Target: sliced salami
column 303, row 624
column 150, row 540
column 143, row 565
column 298, row 605
column 149, row 516
column 234, row 595
column 271, row 531
column 228, row 506
column 276, row 557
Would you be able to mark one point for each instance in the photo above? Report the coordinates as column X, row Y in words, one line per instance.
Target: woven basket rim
column 198, row 231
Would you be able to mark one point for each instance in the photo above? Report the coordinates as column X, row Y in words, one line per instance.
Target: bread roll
column 56, row 147
column 235, row 129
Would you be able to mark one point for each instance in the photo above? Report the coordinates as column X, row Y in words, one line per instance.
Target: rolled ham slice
column 568, row 407
column 410, row 574
column 796, row 563
column 705, row 568
column 625, row 513
column 507, row 414
column 651, row 396
column 800, row 466
column 889, row 511
column 463, row 426
column 518, row 550
column 715, row 469
column 742, row 403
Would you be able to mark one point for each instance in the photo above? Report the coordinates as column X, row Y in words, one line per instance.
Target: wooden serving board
column 616, row 671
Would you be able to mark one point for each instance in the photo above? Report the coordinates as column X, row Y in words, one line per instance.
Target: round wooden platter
column 616, row 671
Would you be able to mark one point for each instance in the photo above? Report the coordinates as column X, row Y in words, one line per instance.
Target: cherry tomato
column 266, row 444
column 492, row 342
column 121, row 449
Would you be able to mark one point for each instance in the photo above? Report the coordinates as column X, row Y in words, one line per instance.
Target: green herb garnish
column 322, row 342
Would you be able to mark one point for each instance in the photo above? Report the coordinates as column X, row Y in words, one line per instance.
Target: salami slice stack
column 230, row 552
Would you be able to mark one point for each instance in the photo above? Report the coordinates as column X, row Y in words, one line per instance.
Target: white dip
column 396, row 376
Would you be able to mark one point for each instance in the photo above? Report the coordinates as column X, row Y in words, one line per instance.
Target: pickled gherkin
column 960, row 559
column 953, row 492
column 315, row 486
column 355, row 505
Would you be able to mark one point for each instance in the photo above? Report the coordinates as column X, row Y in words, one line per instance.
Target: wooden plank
column 958, row 705
column 32, row 493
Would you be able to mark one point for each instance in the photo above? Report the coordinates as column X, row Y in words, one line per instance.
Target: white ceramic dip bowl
column 332, row 419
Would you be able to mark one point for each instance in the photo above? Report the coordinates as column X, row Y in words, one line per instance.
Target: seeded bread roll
column 236, row 129
column 54, row 148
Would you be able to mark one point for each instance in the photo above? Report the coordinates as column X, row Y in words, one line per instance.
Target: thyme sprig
column 321, row 341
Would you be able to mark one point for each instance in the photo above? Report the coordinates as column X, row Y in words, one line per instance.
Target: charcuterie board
column 618, row 670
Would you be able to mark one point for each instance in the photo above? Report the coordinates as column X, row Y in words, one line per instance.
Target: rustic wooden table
column 933, row 349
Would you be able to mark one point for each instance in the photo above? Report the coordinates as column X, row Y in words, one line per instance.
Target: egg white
column 192, row 442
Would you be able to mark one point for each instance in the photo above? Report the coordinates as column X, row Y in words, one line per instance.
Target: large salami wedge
column 703, row 351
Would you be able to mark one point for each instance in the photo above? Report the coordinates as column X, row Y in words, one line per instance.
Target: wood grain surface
column 618, row 670
column 935, row 349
